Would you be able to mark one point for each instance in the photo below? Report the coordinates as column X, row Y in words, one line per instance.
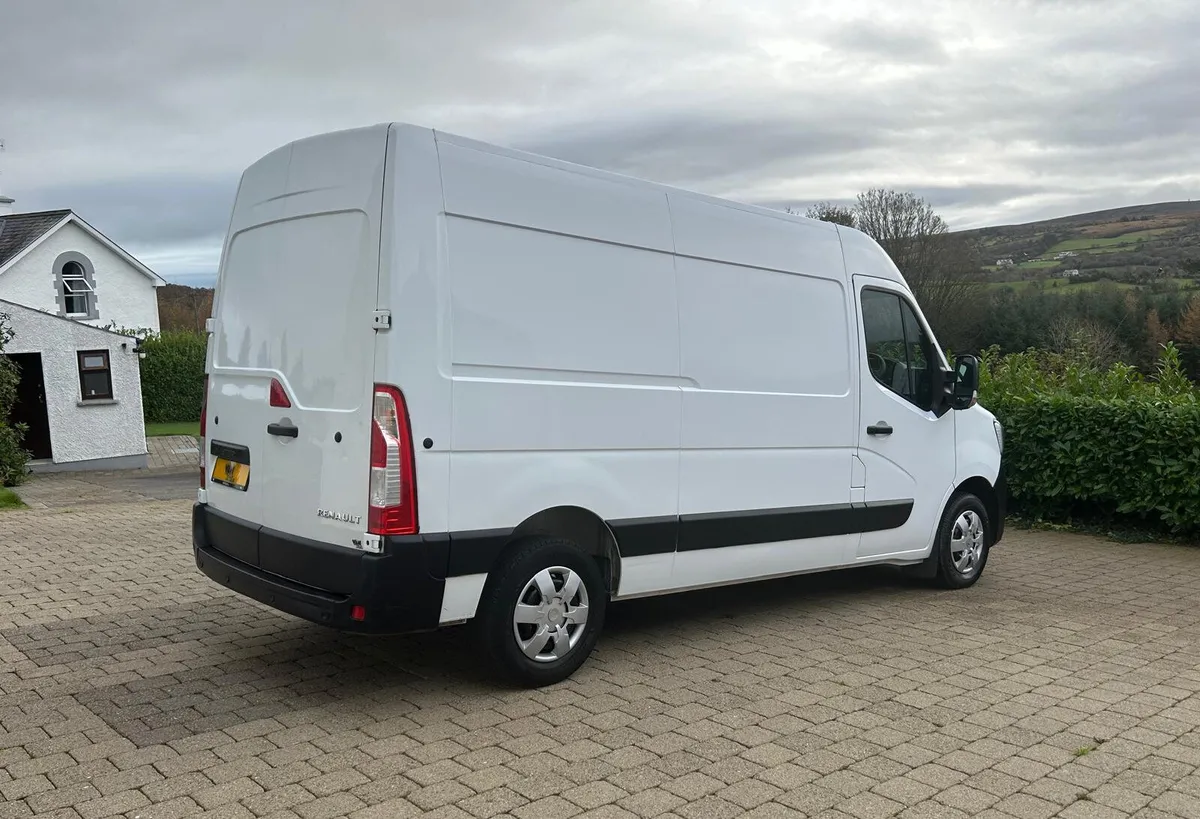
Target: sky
column 141, row 114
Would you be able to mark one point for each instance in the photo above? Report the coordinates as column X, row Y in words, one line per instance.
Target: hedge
column 14, row 459
column 1099, row 445
column 173, row 377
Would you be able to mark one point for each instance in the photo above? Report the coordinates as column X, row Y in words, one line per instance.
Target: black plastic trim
column 401, row 589
column 230, row 452
column 718, row 530
column 476, row 552
column 638, row 537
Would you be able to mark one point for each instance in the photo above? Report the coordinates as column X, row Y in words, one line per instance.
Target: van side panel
column 769, row 415
column 564, row 344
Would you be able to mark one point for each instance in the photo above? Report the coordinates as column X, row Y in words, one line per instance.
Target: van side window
column 898, row 348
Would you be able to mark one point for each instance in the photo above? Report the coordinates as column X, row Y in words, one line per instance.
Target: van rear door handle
column 882, row 428
column 283, row 430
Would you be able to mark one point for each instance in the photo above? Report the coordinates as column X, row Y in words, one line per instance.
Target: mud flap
column 927, row 569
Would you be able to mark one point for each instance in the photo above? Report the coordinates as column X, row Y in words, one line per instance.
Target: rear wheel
column 542, row 616
column 963, row 542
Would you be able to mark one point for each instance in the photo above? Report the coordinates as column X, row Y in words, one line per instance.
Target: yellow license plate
column 230, row 473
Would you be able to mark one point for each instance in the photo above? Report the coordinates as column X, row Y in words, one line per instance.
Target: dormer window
column 75, row 281
column 76, row 290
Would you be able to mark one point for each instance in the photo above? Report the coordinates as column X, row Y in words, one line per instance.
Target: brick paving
column 68, row 491
column 1065, row 684
column 172, row 452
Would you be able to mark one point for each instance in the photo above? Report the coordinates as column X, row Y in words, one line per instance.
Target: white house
column 63, row 286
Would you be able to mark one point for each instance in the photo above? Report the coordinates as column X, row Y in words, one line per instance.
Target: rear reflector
column 393, row 488
column 358, row 613
column 279, row 397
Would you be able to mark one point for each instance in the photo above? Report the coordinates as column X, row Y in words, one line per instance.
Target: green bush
column 14, row 460
column 173, row 377
column 1083, row 442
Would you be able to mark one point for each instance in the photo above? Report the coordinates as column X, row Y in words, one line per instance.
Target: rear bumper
column 401, row 589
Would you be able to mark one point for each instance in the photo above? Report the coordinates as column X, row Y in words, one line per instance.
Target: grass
column 9, row 500
column 1062, row 285
column 183, row 428
column 1086, row 243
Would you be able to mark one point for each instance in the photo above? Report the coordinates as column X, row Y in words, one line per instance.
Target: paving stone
column 133, row 684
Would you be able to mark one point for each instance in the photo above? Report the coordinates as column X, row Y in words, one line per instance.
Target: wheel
column 962, row 543
column 542, row 616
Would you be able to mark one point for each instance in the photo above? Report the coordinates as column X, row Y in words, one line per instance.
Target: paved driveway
column 76, row 490
column 1064, row 684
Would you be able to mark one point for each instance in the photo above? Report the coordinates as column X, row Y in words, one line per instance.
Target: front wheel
column 542, row 616
column 963, row 542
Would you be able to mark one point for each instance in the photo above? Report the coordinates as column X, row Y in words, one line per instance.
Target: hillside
column 184, row 308
column 1136, row 245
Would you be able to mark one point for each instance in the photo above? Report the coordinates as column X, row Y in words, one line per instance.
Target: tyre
column 542, row 615
column 963, row 542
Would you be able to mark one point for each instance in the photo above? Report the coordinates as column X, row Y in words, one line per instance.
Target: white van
column 449, row 381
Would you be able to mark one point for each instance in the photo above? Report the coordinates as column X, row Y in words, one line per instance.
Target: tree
column 1092, row 339
column 829, row 212
column 943, row 270
column 1188, row 335
column 184, row 308
column 1157, row 334
column 13, row 459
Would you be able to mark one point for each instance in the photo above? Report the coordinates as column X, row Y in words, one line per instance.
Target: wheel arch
column 581, row 526
column 982, row 488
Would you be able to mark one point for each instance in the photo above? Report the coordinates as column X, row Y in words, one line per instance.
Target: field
column 1069, row 286
column 1129, row 245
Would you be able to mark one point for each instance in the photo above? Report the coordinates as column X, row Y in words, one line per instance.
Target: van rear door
column 293, row 352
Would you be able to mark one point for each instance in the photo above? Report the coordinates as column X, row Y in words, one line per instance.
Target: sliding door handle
column 882, row 428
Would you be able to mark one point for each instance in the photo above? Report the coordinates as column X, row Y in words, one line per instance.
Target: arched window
column 76, row 290
column 76, row 283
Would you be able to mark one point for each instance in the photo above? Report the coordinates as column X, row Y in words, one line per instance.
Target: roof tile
column 20, row 230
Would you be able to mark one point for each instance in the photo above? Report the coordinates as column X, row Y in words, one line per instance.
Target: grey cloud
column 141, row 114
column 882, row 41
column 705, row 149
column 148, row 210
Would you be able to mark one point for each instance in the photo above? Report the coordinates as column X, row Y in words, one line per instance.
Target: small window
column 77, row 291
column 95, row 377
column 899, row 350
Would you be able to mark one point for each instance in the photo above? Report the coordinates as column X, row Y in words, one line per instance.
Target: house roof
column 8, row 306
column 21, row 232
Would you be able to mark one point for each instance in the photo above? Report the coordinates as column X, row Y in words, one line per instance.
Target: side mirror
column 965, row 389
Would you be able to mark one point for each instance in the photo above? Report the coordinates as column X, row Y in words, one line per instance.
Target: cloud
column 883, row 42
column 141, row 115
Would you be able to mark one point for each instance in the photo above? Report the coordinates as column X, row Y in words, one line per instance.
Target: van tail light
column 393, row 493
column 279, row 396
column 203, row 430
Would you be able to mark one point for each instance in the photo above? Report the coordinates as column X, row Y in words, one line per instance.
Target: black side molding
column 476, row 552
column 721, row 529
